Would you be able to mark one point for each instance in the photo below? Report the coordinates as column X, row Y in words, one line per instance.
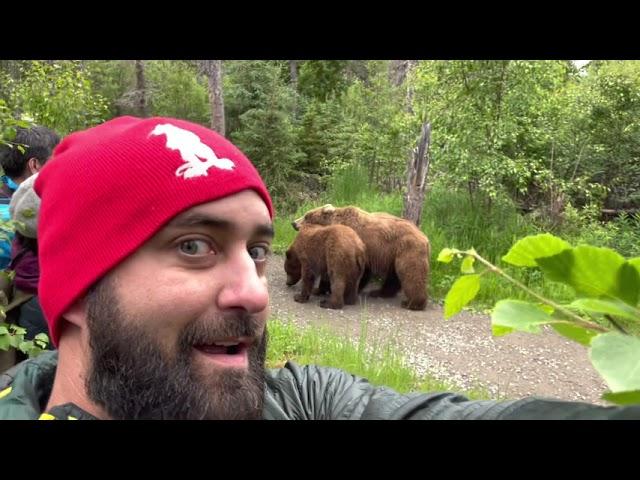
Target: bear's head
column 292, row 267
column 318, row 216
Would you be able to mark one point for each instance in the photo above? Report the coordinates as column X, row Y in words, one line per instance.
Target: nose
column 243, row 287
column 294, row 225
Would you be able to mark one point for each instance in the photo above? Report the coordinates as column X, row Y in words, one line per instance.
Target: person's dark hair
column 38, row 143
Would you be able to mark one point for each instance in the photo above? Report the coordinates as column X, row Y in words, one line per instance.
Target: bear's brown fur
column 334, row 253
column 397, row 251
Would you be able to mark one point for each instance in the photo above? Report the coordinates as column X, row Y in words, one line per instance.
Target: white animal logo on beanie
column 192, row 150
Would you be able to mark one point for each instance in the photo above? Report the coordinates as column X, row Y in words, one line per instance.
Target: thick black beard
column 132, row 377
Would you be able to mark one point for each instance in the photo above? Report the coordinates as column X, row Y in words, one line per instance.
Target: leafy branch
column 604, row 310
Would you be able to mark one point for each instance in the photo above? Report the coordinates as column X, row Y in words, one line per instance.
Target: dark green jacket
column 313, row 393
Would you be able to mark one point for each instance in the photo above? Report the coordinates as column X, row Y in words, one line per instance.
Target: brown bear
column 397, row 251
column 335, row 254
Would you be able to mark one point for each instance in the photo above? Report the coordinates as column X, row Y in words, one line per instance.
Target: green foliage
column 12, row 336
column 376, row 132
column 462, row 292
column 519, row 127
column 112, row 79
column 573, row 332
column 176, row 90
column 525, row 251
column 58, row 95
column 605, row 316
column 265, row 130
column 519, row 315
column 8, row 125
column 592, row 271
column 316, row 132
column 612, row 103
column 321, row 79
column 617, row 359
column 621, row 234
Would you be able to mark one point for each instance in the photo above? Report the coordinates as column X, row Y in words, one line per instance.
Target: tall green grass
column 451, row 219
column 349, row 188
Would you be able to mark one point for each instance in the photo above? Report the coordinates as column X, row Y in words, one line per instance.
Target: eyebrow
column 200, row 220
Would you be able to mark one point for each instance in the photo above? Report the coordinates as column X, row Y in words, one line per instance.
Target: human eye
column 195, row 247
column 259, row 253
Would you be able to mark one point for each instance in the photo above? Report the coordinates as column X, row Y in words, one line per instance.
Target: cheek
column 171, row 300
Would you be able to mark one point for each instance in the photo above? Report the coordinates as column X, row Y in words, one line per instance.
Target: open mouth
column 228, row 352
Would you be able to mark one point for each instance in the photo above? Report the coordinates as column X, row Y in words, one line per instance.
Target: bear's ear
column 328, row 208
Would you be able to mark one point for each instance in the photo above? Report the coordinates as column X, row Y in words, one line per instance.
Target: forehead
column 243, row 212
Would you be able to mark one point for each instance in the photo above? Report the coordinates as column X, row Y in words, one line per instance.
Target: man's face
column 177, row 330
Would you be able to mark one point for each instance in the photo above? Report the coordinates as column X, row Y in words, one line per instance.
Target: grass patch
column 380, row 364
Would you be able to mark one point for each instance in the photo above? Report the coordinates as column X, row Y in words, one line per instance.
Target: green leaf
column 635, row 262
column 14, row 340
column 446, row 255
column 462, row 292
column 623, row 398
column 467, row 264
column 525, row 252
column 519, row 315
column 591, row 271
column 25, row 346
column 18, row 330
column 545, row 308
column 43, row 337
column 9, row 133
column 499, row 331
column 574, row 332
column 629, row 283
column 5, row 342
column 617, row 358
column 608, row 307
column 4, row 330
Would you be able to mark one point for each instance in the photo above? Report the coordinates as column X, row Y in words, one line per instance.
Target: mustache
column 223, row 325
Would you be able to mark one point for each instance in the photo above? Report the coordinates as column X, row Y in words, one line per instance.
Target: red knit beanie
column 109, row 189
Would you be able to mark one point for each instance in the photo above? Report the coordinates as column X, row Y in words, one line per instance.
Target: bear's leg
column 351, row 292
column 413, row 278
column 307, row 284
column 390, row 287
column 336, row 300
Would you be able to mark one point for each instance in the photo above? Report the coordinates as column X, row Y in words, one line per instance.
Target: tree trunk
column 417, row 170
column 293, row 68
column 398, row 70
column 141, row 89
column 358, row 69
column 213, row 70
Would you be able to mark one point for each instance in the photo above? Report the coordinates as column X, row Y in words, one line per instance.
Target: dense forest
column 516, row 146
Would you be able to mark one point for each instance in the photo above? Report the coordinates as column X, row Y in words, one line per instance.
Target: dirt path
column 461, row 350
